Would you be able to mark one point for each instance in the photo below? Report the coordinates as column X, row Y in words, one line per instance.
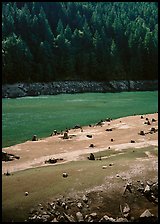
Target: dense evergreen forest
column 101, row 41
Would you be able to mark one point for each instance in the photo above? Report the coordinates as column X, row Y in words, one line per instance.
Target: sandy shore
column 34, row 154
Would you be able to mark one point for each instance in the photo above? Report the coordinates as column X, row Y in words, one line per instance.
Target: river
column 27, row 116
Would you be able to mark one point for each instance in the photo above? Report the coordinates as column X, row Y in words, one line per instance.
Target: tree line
column 101, row 41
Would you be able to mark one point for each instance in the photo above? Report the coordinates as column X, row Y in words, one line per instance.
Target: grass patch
column 155, row 151
column 129, row 153
column 44, row 184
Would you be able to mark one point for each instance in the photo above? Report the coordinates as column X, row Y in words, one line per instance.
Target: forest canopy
column 101, row 41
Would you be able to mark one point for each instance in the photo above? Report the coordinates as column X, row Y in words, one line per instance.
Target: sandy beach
column 122, row 131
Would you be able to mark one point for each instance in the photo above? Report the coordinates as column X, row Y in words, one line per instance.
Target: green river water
column 27, row 116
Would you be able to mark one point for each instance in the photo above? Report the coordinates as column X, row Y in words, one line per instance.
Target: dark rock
column 89, row 136
column 77, row 126
column 8, row 156
column 65, row 175
column 4, row 156
column 132, row 141
column 53, row 88
column 67, row 130
column 153, row 120
column 142, row 133
column 148, row 123
column 108, row 119
column 91, row 157
column 55, row 132
column 156, row 201
column 7, row 174
column 34, row 138
column 100, row 123
column 109, row 129
column 104, row 167
column 53, row 160
column 26, row 193
column 112, row 140
column 65, row 136
column 153, row 129
column 128, row 187
column 154, row 189
column 92, row 145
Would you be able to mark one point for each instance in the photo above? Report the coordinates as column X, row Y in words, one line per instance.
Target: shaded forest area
column 100, row 41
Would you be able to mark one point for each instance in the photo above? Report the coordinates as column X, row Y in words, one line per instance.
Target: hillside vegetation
column 52, row 41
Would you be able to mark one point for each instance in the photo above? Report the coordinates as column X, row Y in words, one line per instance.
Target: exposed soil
column 34, row 153
column 107, row 198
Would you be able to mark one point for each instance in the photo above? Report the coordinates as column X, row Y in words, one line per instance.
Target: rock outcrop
column 53, row 88
column 82, row 209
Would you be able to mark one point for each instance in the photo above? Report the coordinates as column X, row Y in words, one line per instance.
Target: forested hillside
column 101, row 41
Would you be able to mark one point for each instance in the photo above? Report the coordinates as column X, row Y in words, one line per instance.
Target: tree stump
column 55, row 132
column 142, row 133
column 65, row 136
column 92, row 145
column 91, row 157
column 34, row 138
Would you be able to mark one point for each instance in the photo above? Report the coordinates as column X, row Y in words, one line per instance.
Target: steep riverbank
column 53, row 88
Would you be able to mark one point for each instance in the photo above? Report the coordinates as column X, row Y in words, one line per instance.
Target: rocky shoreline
column 82, row 209
column 61, row 87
